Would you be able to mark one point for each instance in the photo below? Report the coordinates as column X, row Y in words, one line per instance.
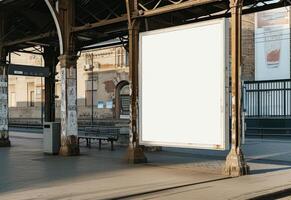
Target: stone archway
column 118, row 97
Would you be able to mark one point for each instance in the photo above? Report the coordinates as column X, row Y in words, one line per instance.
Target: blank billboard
column 182, row 81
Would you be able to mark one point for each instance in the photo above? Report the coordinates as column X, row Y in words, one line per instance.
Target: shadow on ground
column 25, row 166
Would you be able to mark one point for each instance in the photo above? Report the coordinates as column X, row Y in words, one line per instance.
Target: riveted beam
column 100, row 24
column 30, row 39
column 176, row 7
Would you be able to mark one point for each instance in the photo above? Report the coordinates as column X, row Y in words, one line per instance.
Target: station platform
column 26, row 173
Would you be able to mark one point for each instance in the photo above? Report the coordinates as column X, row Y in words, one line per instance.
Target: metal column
column 51, row 61
column 135, row 153
column 235, row 162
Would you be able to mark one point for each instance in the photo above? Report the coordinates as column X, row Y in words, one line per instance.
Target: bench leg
column 99, row 144
column 89, row 143
column 112, row 149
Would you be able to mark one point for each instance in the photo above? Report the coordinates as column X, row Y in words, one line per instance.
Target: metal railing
column 267, row 98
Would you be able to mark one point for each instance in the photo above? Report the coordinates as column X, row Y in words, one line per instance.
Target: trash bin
column 51, row 137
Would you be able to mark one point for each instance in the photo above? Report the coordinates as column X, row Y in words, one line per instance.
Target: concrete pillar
column 235, row 163
column 135, row 153
column 4, row 134
column 69, row 132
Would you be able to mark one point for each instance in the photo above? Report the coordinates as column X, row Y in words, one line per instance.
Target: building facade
column 102, row 88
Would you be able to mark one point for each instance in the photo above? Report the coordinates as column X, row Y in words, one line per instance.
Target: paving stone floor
column 25, row 168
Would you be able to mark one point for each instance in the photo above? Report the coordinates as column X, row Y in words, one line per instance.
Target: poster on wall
column 272, row 44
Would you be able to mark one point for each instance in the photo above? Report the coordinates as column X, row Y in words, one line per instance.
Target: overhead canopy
column 29, row 22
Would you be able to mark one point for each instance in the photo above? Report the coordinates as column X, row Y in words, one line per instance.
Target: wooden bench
column 101, row 134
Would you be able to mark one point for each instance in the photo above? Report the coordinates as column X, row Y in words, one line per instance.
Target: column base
column 152, row 148
column 235, row 164
column 135, row 155
column 5, row 143
column 70, row 146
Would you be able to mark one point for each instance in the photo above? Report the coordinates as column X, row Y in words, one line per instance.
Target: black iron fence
column 267, row 98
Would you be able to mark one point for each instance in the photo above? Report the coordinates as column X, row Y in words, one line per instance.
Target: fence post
column 284, row 93
column 259, row 99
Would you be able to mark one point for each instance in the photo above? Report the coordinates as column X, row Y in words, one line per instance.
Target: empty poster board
column 183, row 85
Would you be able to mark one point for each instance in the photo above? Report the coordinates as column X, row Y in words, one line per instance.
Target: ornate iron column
column 135, row 153
column 235, row 163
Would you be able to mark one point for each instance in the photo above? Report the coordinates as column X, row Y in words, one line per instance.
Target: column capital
column 235, row 3
column 68, row 61
column 67, row 57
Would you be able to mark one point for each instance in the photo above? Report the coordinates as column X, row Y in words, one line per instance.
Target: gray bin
column 51, row 137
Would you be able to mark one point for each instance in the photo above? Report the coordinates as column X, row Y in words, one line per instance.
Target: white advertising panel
column 272, row 44
column 182, row 80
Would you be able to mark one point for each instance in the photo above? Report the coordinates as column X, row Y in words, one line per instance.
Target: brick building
column 248, row 47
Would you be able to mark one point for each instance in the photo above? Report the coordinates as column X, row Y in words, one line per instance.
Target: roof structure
column 29, row 22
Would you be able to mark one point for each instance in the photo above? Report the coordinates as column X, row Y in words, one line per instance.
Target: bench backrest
column 103, row 131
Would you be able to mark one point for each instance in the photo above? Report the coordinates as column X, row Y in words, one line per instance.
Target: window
column 124, row 104
column 91, row 91
column 100, row 104
column 39, row 94
column 30, row 94
column 89, row 94
column 43, row 95
column 119, row 58
column 12, row 100
column 31, row 100
column 126, row 59
column 124, row 101
column 12, row 96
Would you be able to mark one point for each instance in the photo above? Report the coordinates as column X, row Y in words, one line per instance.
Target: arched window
column 122, row 100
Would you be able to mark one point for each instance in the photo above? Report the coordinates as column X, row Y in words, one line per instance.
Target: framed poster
column 189, row 64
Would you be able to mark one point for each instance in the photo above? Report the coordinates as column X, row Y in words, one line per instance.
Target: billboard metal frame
column 224, row 82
